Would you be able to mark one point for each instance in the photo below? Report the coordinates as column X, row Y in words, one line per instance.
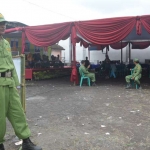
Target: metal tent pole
column 121, row 51
column 129, row 52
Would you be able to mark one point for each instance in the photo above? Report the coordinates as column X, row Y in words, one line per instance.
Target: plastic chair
column 83, row 77
column 132, row 81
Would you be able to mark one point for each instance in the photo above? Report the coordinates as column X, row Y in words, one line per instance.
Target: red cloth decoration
column 97, row 32
column 13, row 30
column 119, row 45
column 138, row 26
column 105, row 31
column 85, row 44
column 145, row 20
column 74, row 75
column 47, row 35
column 140, row 45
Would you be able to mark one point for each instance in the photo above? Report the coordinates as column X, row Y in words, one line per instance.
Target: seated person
column 87, row 73
column 136, row 75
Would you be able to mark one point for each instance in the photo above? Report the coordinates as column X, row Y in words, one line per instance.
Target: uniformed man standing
column 136, row 75
column 10, row 105
column 87, row 73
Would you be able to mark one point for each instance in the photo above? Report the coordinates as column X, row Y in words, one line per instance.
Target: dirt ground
column 104, row 117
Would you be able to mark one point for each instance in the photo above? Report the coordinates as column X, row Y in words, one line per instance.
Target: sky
column 39, row 12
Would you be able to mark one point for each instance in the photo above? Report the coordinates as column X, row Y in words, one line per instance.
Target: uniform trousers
column 91, row 76
column 136, row 79
column 11, row 108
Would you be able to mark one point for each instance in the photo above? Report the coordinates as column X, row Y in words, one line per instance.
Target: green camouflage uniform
column 10, row 104
column 136, row 74
column 87, row 73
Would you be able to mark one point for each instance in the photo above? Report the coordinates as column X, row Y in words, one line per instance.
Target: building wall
column 116, row 55
column 56, row 52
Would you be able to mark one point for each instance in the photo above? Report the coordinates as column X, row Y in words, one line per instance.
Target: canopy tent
column 101, row 32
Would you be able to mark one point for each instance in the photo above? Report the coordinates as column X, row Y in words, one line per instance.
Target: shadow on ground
column 104, row 117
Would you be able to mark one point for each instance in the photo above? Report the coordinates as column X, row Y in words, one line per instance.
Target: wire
column 48, row 9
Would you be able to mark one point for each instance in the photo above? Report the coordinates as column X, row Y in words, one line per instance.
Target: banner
column 17, row 63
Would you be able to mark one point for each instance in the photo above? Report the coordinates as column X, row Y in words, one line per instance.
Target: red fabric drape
column 105, row 31
column 74, row 75
column 138, row 26
column 83, row 43
column 47, row 35
column 13, row 30
column 145, row 20
column 118, row 46
column 140, row 45
column 97, row 32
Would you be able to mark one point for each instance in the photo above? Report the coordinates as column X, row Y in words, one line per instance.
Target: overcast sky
column 37, row 12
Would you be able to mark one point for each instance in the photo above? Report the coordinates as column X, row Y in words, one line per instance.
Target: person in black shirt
column 87, row 63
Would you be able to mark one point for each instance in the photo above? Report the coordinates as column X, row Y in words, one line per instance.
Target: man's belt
column 7, row 74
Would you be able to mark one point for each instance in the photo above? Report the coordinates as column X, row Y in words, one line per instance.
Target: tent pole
column 129, row 52
column 89, row 54
column 74, row 55
column 121, row 51
column 70, row 50
column 84, row 53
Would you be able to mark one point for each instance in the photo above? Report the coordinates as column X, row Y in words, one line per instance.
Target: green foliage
column 41, row 75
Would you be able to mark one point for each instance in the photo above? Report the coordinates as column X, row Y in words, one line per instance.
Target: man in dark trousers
column 87, row 63
column 10, row 104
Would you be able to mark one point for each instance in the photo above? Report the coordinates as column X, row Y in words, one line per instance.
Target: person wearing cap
column 10, row 104
column 87, row 73
column 136, row 75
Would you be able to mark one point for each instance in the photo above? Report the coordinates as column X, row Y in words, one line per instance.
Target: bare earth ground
column 105, row 117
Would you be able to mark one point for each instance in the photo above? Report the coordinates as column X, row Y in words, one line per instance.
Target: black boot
column 93, row 84
column 128, row 86
column 2, row 147
column 28, row 145
column 139, row 86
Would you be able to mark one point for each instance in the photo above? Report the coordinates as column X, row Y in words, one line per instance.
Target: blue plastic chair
column 132, row 81
column 83, row 77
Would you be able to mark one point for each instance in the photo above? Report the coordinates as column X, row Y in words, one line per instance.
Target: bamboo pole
column 23, row 97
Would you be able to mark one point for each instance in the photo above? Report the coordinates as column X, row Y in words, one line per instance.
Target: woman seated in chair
column 85, row 71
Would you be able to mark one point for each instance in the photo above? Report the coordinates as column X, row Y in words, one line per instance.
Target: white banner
column 17, row 63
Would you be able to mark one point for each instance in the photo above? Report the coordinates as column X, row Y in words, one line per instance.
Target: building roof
column 57, row 47
column 14, row 24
